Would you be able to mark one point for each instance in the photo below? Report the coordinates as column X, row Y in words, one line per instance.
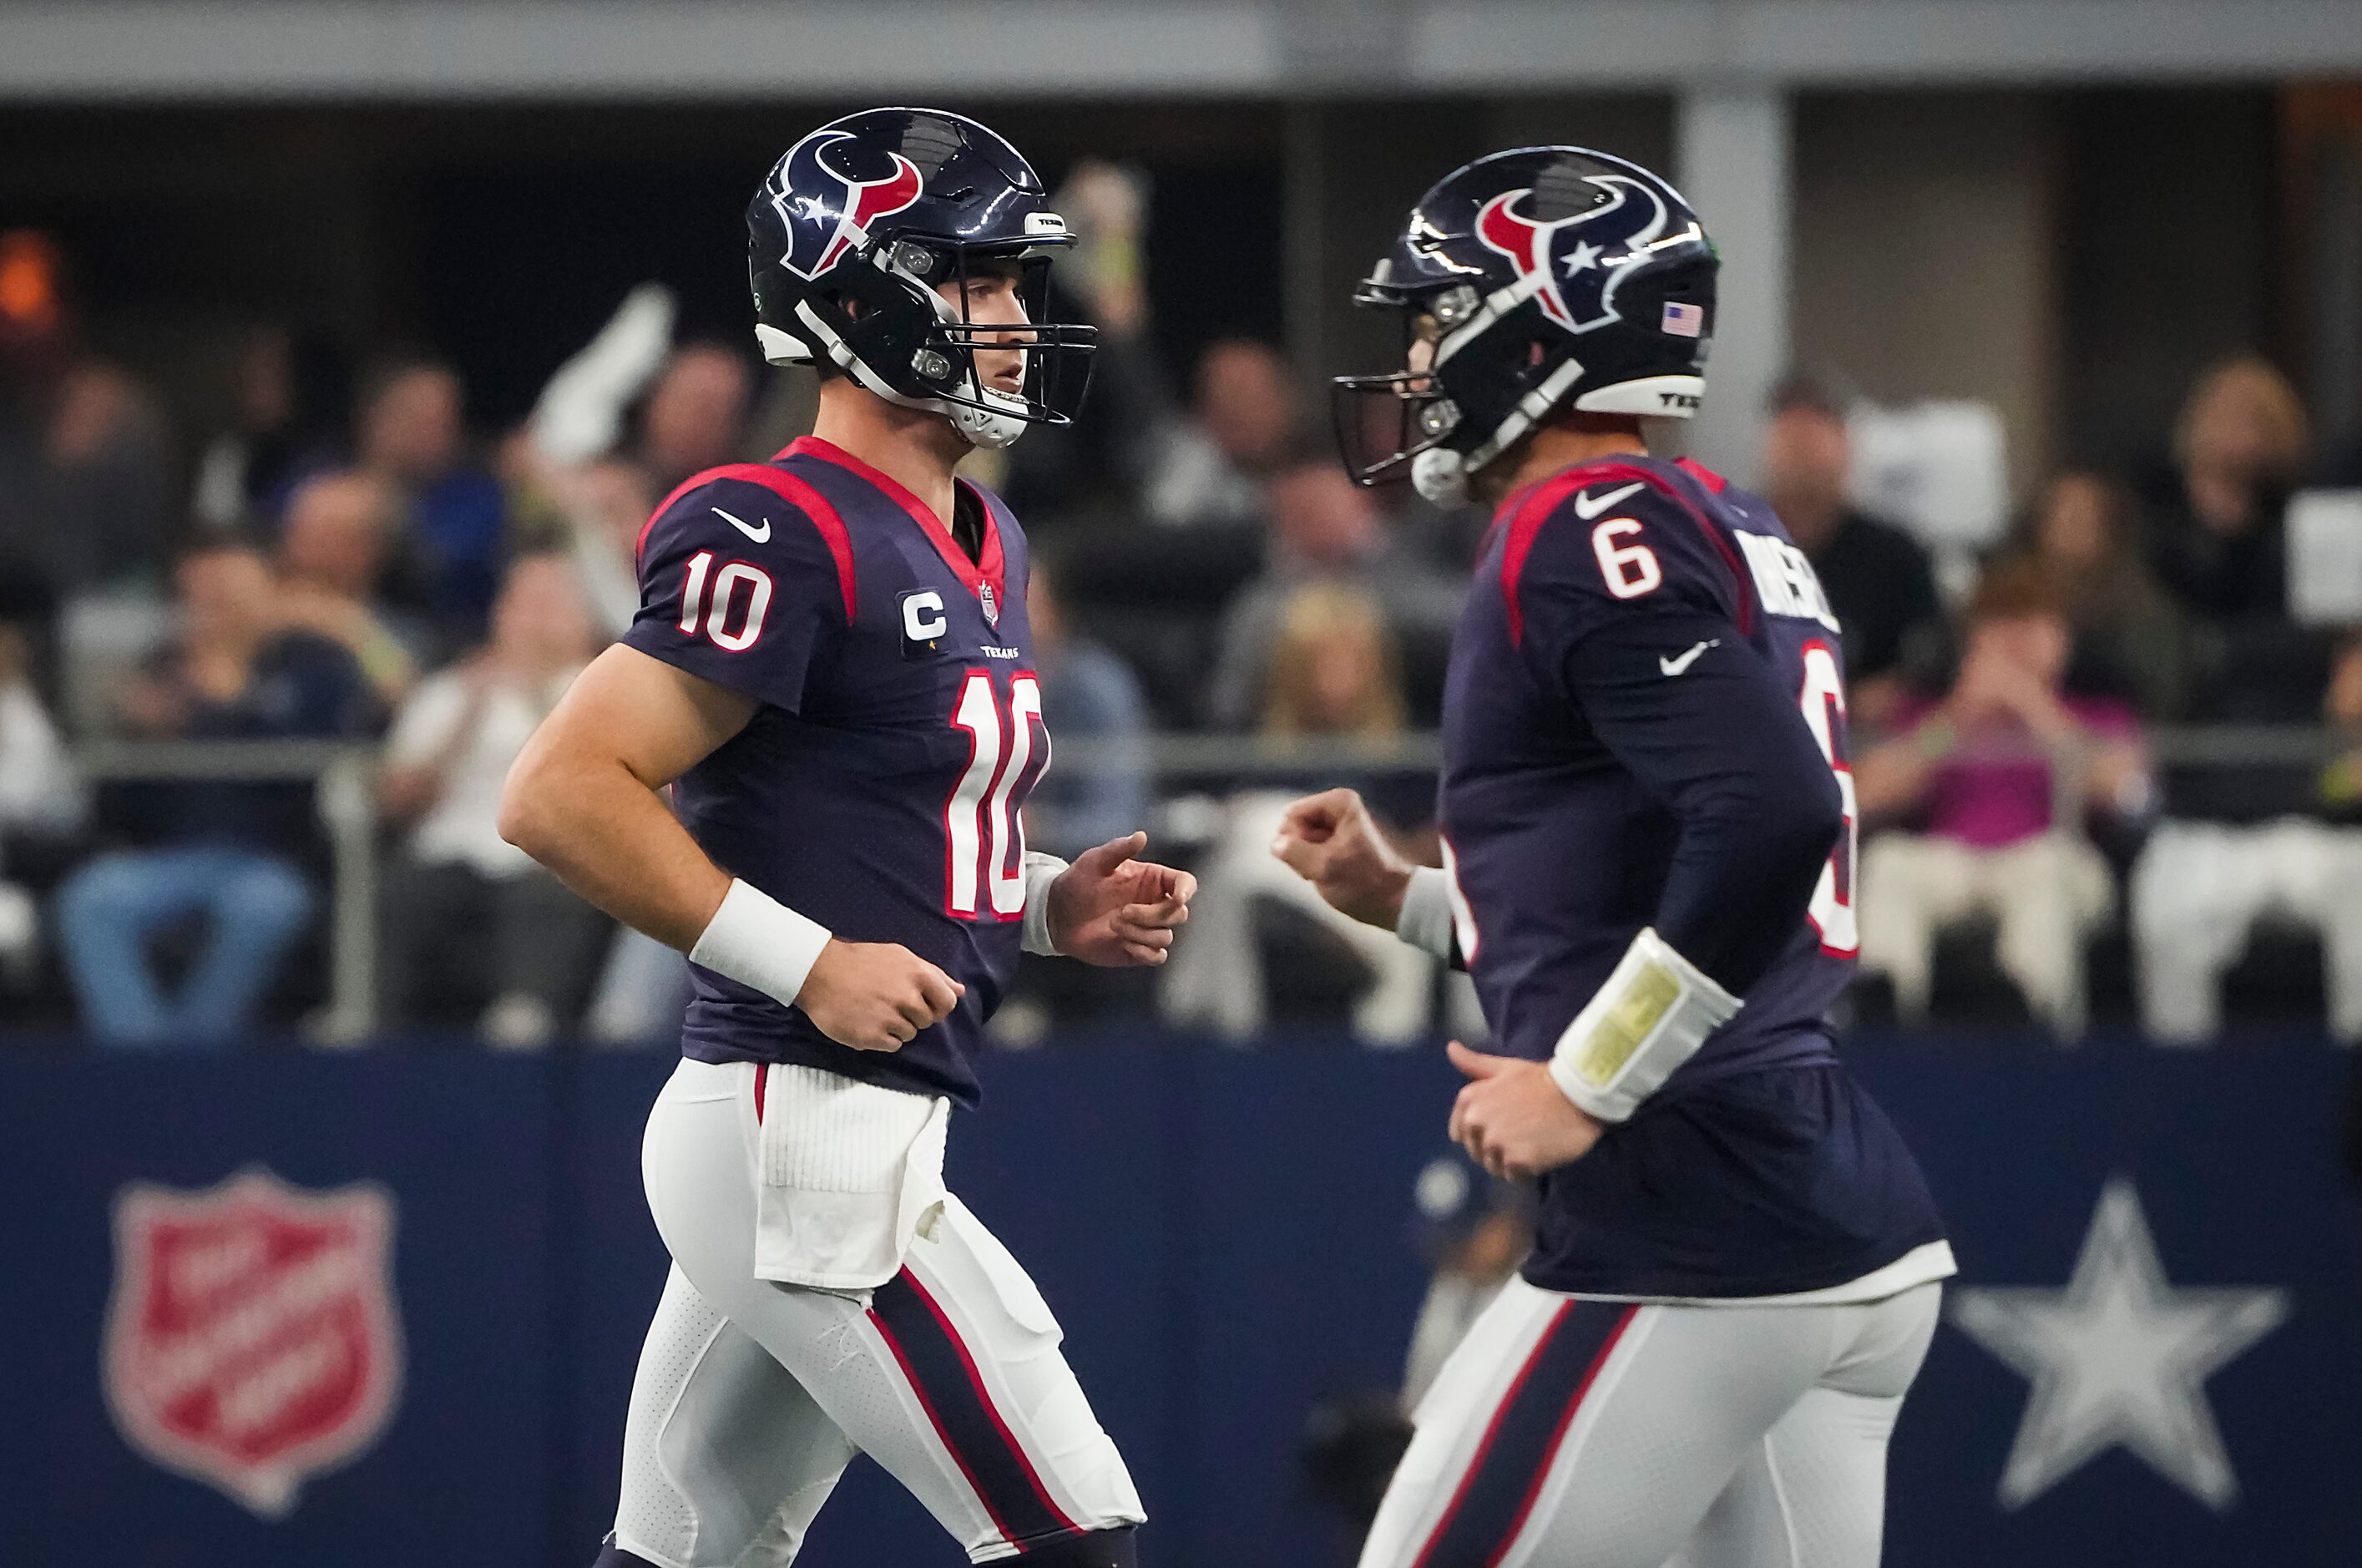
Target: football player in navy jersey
column 1647, row 873
column 832, row 670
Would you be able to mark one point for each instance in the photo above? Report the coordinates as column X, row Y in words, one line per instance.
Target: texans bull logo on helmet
column 829, row 189
column 1578, row 261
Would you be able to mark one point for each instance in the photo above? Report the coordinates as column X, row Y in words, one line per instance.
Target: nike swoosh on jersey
column 1590, row 506
column 1681, row 662
column 760, row 535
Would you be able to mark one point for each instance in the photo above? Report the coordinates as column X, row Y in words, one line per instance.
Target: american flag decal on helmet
column 1684, row 320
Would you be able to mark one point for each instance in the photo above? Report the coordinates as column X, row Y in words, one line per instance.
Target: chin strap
column 979, row 424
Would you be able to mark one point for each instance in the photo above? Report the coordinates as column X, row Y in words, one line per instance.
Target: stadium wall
column 1226, row 1234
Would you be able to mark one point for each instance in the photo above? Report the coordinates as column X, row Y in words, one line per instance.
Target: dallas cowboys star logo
column 2118, row 1357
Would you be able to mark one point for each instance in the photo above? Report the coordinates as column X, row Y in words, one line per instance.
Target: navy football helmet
column 858, row 225
column 1543, row 278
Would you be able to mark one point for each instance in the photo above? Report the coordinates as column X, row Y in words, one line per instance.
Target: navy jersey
column 1644, row 726
column 897, row 733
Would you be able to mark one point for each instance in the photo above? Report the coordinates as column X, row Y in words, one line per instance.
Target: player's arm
column 584, row 797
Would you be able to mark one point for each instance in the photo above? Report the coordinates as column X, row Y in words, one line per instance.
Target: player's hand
column 1332, row 841
column 1113, row 911
column 876, row 996
column 1513, row 1118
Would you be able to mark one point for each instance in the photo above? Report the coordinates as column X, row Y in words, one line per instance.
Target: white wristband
column 1653, row 1014
column 1426, row 918
column 758, row 940
column 1041, row 870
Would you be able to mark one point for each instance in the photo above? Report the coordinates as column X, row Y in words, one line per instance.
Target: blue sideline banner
column 381, row 1310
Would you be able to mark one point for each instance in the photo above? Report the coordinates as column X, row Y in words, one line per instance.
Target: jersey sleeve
column 741, row 586
column 1654, row 656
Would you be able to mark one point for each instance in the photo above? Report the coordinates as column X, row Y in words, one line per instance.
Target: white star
column 813, row 208
column 2119, row 1356
column 1583, row 258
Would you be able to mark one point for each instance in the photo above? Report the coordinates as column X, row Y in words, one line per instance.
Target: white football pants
column 752, row 1397
column 1570, row 1433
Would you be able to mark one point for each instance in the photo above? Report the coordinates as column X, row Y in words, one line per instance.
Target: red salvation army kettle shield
column 251, row 1337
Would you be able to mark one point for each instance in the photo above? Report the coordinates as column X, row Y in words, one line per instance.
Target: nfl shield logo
column 251, row 1340
column 990, row 603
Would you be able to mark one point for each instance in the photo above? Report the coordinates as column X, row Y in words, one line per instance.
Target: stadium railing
column 1179, row 766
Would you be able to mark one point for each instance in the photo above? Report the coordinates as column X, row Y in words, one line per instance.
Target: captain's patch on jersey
column 923, row 622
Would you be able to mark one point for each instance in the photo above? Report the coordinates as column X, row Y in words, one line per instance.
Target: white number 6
column 1630, row 570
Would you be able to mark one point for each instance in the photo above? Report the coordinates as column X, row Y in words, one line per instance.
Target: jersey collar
column 973, row 575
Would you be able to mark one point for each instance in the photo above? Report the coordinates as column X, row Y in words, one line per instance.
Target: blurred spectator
column 1324, row 528
column 1243, row 417
column 85, row 473
column 411, row 436
column 221, row 850
column 85, row 494
column 1333, row 670
column 2201, row 889
column 1987, row 770
column 2128, row 638
column 1096, row 464
column 1476, row 1232
column 39, row 796
column 38, row 791
column 695, row 417
column 332, row 564
column 460, row 902
column 2214, row 515
column 1262, row 943
column 1091, row 696
column 247, row 468
column 1877, row 578
column 605, row 505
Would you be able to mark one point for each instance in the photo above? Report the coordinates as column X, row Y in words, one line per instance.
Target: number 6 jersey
column 897, row 732
column 1644, row 726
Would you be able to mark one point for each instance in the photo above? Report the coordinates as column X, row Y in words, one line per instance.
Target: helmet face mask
column 1548, row 278
column 1384, row 421
column 864, row 246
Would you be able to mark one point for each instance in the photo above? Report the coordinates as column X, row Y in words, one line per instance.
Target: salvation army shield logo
column 251, row 1340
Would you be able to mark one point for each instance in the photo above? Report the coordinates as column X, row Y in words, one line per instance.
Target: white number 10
column 715, row 616
column 984, row 840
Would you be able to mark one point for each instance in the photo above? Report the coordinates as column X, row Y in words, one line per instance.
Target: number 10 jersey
column 897, row 733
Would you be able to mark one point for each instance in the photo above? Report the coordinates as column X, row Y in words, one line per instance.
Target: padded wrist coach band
column 1653, row 1014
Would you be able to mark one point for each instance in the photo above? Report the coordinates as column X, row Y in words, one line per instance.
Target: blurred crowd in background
column 337, row 554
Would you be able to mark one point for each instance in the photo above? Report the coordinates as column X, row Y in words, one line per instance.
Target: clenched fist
column 1332, row 841
column 876, row 996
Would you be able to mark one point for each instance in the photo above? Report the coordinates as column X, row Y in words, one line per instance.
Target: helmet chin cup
column 983, row 427
column 1440, row 477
